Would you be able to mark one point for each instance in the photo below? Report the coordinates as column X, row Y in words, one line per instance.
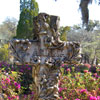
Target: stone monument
column 46, row 52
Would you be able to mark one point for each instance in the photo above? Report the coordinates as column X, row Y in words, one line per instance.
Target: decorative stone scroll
column 46, row 52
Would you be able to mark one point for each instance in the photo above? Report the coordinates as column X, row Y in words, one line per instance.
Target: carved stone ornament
column 46, row 52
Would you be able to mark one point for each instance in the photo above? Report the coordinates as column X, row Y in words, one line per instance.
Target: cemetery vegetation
column 77, row 82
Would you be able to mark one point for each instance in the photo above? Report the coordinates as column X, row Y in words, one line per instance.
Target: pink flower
column 60, row 89
column 18, row 86
column 62, row 65
column 17, row 97
column 83, row 91
column 77, row 99
column 15, row 83
column 59, row 83
column 93, row 98
column 85, row 71
column 98, row 97
column 7, row 80
column 61, row 97
column 87, row 65
column 65, row 88
column 9, row 98
column 68, row 70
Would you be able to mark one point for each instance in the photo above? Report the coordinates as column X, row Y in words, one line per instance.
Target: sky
column 68, row 10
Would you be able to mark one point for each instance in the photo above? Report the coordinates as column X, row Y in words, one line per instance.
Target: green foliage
column 63, row 32
column 4, row 53
column 89, row 40
column 92, row 48
column 25, row 24
column 92, row 24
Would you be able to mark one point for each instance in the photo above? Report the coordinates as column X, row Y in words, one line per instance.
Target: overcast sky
column 68, row 10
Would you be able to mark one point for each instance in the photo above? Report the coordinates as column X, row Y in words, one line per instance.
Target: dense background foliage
column 28, row 10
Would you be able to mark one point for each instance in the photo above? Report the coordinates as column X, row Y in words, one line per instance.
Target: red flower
column 85, row 71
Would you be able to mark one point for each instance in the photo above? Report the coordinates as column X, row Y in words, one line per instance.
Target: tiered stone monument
column 46, row 52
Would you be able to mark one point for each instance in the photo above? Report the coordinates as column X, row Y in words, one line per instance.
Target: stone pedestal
column 46, row 80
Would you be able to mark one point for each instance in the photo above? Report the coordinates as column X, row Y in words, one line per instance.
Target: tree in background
column 89, row 40
column 28, row 10
column 7, row 31
column 85, row 11
column 8, row 28
column 63, row 32
column 92, row 25
column 4, row 53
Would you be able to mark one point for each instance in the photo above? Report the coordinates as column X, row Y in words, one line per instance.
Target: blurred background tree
column 4, row 53
column 85, row 11
column 63, row 31
column 7, row 32
column 89, row 40
column 28, row 10
column 8, row 28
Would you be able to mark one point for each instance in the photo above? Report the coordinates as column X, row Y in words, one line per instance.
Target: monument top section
column 46, row 46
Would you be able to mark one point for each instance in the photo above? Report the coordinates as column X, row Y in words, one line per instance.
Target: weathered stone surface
column 45, row 52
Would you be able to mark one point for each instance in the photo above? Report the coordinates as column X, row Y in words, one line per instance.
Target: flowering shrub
column 9, row 86
column 79, row 86
column 76, row 83
column 24, row 71
column 77, row 67
column 15, row 81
